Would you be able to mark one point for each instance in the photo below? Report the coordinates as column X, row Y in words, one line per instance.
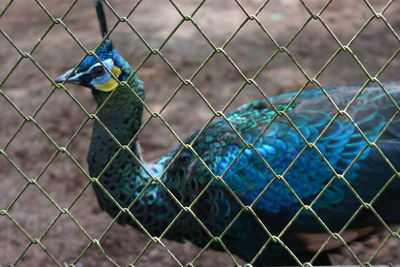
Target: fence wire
column 158, row 51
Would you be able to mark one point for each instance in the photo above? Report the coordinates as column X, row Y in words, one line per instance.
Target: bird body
column 295, row 166
column 219, row 147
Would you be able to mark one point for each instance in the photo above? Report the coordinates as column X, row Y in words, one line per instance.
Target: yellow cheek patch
column 117, row 71
column 108, row 86
column 111, row 84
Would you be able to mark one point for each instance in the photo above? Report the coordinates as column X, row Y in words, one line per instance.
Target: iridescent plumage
column 259, row 171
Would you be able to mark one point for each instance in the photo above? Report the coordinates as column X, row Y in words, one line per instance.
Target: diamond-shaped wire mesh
column 199, row 60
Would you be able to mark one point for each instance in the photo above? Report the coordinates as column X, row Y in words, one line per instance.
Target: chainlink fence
column 96, row 241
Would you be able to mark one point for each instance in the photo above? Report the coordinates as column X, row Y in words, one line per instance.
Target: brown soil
column 33, row 154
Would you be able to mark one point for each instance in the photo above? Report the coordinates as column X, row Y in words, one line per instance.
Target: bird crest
column 106, row 49
column 92, row 73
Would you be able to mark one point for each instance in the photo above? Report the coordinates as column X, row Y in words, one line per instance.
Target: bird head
column 99, row 72
column 97, row 75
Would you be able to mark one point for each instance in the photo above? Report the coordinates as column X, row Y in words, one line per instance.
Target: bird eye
column 97, row 71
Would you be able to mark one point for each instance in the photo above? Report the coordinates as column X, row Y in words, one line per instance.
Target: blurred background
column 25, row 22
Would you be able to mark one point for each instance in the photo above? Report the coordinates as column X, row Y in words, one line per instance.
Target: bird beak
column 68, row 78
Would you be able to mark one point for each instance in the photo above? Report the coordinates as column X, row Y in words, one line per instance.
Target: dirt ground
column 33, row 154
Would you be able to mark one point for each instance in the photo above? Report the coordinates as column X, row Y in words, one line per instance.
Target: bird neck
column 117, row 169
column 121, row 112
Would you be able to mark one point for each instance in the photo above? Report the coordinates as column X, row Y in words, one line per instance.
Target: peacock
column 270, row 181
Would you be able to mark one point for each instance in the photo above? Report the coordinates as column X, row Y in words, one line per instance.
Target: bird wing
column 281, row 172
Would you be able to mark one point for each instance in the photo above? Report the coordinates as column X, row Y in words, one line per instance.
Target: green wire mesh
column 188, row 81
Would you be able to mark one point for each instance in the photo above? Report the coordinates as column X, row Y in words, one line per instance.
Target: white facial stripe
column 109, row 63
column 74, row 77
